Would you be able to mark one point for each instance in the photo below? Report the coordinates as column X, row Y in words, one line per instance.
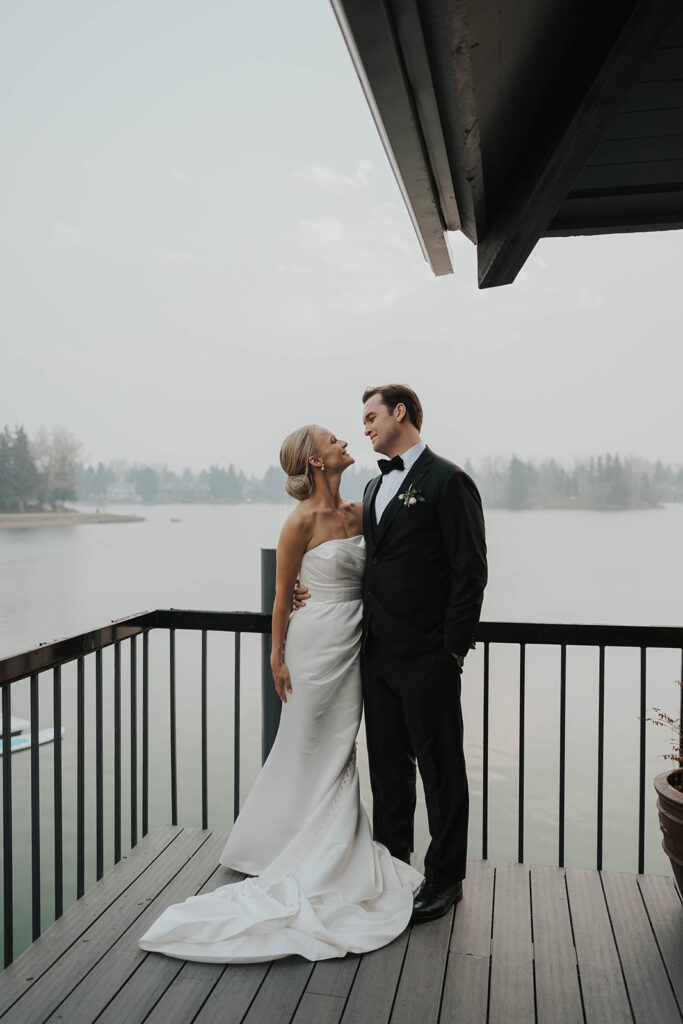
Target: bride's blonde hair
column 297, row 448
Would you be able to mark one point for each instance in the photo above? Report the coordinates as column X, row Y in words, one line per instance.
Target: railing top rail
column 580, row 635
column 59, row 652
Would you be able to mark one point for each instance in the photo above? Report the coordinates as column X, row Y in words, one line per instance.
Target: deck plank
column 317, row 1008
column 334, row 977
column 57, row 983
column 649, row 989
column 124, row 957
column 372, row 994
column 512, row 979
column 232, row 995
column 625, row 932
column 665, row 910
column 280, row 994
column 189, row 989
column 119, row 963
column 28, row 967
column 605, row 1000
column 465, row 994
column 418, row 997
column 558, row 994
column 166, row 988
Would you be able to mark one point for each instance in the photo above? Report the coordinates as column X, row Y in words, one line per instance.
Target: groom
column 422, row 593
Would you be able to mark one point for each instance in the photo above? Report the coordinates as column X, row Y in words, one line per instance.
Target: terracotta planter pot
column 670, row 807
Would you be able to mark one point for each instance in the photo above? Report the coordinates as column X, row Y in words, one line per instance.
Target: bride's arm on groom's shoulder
column 294, row 538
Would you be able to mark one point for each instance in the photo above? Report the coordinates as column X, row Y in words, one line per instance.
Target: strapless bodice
column 333, row 571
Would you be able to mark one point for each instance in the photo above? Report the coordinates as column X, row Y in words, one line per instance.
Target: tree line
column 44, row 472
column 38, row 472
column 600, row 482
column 122, row 481
column 603, row 482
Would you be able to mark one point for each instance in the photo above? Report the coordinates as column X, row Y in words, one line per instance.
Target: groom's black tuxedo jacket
column 425, row 569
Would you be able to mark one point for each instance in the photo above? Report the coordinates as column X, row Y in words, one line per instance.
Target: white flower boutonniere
column 411, row 496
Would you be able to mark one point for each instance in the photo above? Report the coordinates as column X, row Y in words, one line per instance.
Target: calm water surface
column 554, row 566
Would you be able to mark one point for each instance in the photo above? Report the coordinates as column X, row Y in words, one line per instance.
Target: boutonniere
column 411, row 496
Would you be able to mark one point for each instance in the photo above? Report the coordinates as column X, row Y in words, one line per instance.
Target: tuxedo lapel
column 413, row 477
column 369, row 525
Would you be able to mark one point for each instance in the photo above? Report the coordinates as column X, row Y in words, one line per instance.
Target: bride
column 321, row 887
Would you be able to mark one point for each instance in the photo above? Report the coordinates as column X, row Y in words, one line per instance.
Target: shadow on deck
column 527, row 944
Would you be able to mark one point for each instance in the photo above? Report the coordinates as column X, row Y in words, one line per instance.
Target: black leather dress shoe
column 432, row 901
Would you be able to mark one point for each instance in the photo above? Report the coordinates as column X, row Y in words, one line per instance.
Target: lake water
column 545, row 566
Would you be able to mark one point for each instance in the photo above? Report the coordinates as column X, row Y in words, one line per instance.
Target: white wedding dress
column 322, row 886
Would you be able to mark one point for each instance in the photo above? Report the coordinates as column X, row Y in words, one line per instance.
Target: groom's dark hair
column 395, row 394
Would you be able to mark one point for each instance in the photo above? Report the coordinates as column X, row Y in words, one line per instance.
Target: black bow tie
column 386, row 465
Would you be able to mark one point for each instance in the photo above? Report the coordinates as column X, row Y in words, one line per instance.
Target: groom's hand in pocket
column 300, row 596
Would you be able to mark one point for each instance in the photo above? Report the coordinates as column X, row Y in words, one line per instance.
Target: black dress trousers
column 413, row 713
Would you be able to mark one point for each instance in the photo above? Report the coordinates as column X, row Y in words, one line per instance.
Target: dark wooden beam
column 573, row 124
column 667, row 220
column 446, row 27
column 370, row 34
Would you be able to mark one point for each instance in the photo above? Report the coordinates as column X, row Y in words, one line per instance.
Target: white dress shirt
column 391, row 482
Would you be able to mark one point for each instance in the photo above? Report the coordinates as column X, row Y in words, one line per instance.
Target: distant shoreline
column 30, row 520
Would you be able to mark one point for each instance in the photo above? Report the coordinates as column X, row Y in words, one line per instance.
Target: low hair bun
column 297, row 448
column 299, row 486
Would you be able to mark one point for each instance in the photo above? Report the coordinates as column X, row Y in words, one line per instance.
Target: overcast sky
column 203, row 246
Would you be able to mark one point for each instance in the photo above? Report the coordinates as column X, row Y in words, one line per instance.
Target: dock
column 527, row 944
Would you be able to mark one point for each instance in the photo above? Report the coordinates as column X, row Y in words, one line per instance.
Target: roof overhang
column 492, row 113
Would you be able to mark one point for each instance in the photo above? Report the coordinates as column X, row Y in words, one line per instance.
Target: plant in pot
column 669, row 787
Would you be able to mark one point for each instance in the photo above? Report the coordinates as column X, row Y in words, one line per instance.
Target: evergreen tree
column 274, row 485
column 24, row 472
column 6, row 488
column 520, row 479
column 618, row 491
column 146, row 482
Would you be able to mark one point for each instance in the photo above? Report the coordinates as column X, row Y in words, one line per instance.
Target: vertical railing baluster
column 145, row 732
column 641, row 763
column 35, row 810
column 485, row 760
column 80, row 778
column 205, row 780
column 236, row 744
column 99, row 767
column 563, row 753
column 520, row 811
column 7, row 837
column 174, row 777
column 57, row 789
column 117, row 751
column 601, row 752
column 680, row 718
column 133, row 742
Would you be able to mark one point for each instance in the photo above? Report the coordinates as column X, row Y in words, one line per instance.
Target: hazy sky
column 202, row 247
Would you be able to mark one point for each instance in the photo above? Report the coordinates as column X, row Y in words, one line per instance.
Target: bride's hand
column 283, row 684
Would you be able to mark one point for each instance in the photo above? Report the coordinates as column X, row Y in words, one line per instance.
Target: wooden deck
column 526, row 944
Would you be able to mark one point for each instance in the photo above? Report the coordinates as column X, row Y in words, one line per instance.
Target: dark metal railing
column 50, row 658
column 642, row 638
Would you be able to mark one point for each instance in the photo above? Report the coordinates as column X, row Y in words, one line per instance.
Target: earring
column 322, row 466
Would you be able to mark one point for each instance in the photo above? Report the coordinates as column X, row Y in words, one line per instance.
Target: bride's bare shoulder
column 299, row 524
